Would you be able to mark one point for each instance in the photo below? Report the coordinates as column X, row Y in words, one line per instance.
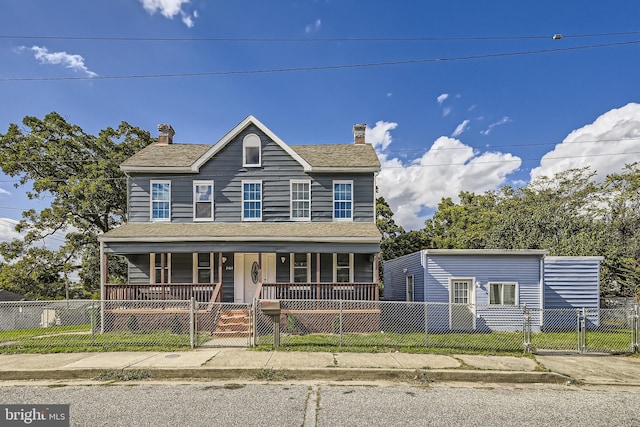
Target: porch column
column 219, row 267
column 376, row 277
column 317, row 287
column 163, row 262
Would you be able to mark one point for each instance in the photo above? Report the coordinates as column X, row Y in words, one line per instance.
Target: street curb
column 331, row 374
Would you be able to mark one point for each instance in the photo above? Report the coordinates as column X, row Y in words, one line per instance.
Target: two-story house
column 247, row 217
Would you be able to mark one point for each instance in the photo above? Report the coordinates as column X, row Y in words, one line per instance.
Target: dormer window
column 251, row 151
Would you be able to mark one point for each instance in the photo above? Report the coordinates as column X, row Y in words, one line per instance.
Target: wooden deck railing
column 202, row 292
column 361, row 291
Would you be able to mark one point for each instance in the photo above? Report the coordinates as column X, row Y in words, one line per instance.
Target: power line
column 309, row 39
column 323, row 68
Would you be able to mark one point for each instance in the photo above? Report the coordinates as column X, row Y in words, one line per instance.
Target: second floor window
column 300, row 200
column 251, row 151
column 160, row 200
column 203, row 200
column 251, row 201
column 343, row 200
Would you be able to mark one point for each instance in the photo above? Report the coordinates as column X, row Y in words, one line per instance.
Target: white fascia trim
column 239, row 239
column 538, row 252
column 159, row 169
column 354, row 169
column 239, row 128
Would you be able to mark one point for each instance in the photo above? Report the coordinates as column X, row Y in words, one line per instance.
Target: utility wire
column 309, row 40
column 324, row 68
column 387, row 151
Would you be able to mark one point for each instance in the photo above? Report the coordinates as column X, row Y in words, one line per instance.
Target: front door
column 251, row 276
column 462, row 317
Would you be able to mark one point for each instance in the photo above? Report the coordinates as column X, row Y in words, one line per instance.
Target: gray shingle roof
column 185, row 155
column 315, row 231
column 339, row 155
column 172, row 155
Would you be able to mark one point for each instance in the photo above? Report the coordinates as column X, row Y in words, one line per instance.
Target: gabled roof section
column 189, row 158
column 239, row 128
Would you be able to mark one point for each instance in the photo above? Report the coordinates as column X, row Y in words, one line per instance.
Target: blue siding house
column 247, row 217
column 466, row 286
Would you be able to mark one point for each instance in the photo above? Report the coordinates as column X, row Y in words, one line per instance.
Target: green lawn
column 72, row 342
column 18, row 334
column 492, row 342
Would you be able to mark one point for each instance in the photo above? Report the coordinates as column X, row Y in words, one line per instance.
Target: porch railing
column 361, row 291
column 202, row 292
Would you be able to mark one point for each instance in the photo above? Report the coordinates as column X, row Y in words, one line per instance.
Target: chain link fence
column 92, row 325
column 386, row 324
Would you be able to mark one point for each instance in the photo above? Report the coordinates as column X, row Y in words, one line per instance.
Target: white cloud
column 169, row 9
column 442, row 97
column 8, row 229
column 500, row 122
column 445, row 169
column 446, row 111
column 389, row 94
column 605, row 145
column 312, row 28
column 4, row 192
column 461, row 128
column 72, row 61
column 379, row 136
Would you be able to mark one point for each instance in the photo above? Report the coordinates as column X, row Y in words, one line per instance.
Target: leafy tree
column 621, row 267
column 80, row 173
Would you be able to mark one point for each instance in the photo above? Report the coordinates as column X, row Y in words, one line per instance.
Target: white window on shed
column 503, row 293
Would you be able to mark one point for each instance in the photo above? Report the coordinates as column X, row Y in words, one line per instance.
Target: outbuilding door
column 462, row 317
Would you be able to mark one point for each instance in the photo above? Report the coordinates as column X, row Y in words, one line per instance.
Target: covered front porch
column 243, row 277
column 242, row 262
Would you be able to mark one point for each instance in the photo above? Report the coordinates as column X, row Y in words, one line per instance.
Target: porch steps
column 233, row 323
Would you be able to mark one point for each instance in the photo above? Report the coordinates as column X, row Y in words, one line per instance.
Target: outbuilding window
column 503, row 293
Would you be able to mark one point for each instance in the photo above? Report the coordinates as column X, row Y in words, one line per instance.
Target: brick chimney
column 358, row 133
column 165, row 134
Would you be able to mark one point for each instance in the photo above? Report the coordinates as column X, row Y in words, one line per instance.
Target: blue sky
column 465, row 99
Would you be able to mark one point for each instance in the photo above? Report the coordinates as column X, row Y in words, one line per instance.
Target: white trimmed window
column 342, row 268
column 203, row 200
column 160, row 200
column 503, row 293
column 251, row 151
column 300, row 267
column 252, row 200
column 343, row 200
column 300, row 200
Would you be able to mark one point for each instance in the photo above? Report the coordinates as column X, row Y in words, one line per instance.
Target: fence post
column 254, row 327
column 340, row 323
column 426, row 326
column 526, row 329
column 634, row 325
column 583, row 328
column 93, row 323
column 192, row 322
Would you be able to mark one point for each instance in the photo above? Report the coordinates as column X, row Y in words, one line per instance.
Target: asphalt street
column 334, row 404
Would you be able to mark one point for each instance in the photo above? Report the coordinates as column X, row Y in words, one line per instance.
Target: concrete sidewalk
column 244, row 364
